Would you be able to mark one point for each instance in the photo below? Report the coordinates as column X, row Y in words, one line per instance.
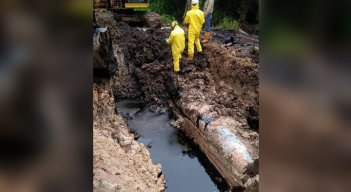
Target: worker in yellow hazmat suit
column 177, row 39
column 195, row 18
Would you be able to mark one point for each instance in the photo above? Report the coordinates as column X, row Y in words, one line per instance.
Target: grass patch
column 228, row 24
column 167, row 19
column 217, row 17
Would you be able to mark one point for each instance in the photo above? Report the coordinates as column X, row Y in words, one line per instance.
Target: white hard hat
column 194, row 2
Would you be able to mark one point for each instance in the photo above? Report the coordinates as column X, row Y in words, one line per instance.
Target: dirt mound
column 152, row 20
column 146, row 60
column 236, row 80
column 120, row 163
column 142, row 70
column 146, row 67
column 241, row 43
column 229, row 84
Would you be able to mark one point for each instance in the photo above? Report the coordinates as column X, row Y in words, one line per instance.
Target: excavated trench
column 185, row 167
column 214, row 104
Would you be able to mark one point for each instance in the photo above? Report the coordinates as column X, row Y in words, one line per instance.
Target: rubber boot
column 207, row 37
column 190, row 57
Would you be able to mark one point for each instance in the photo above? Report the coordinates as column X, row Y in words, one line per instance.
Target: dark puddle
column 185, row 167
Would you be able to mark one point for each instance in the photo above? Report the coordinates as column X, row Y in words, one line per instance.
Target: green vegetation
column 217, row 17
column 228, row 24
column 168, row 9
column 159, row 6
column 226, row 13
column 167, row 19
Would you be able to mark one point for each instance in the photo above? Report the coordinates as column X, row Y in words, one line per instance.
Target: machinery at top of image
column 141, row 5
column 132, row 12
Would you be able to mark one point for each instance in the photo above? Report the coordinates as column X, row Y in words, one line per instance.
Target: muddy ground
column 219, row 76
column 224, row 77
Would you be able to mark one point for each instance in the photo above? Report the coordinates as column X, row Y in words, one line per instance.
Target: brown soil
column 120, row 163
column 243, row 44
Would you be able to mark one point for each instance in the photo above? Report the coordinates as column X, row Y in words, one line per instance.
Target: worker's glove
column 166, row 40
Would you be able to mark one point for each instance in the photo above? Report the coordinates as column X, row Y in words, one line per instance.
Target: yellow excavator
column 122, row 4
column 130, row 11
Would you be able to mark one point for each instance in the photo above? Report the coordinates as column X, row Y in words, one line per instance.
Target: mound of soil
column 119, row 162
column 236, row 81
column 142, row 53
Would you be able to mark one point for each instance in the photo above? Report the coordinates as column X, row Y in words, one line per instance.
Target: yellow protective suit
column 195, row 18
column 177, row 39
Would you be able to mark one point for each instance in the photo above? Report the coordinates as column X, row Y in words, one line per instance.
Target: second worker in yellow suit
column 177, row 39
column 195, row 18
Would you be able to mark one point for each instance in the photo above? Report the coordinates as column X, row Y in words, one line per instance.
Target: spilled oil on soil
column 184, row 166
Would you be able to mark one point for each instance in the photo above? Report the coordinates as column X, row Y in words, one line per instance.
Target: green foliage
column 158, row 6
column 217, row 17
column 223, row 9
column 201, row 4
column 174, row 8
column 228, row 24
column 167, row 19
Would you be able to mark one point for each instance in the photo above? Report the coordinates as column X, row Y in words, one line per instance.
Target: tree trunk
column 94, row 18
column 244, row 11
column 109, row 5
column 187, row 7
